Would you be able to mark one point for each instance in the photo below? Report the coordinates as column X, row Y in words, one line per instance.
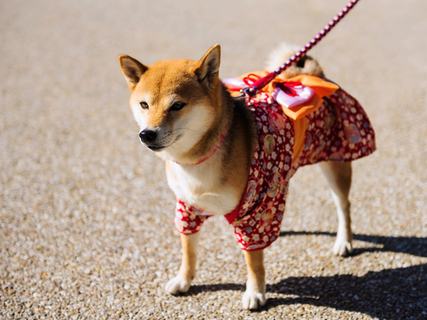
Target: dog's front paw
column 342, row 247
column 177, row 285
column 253, row 299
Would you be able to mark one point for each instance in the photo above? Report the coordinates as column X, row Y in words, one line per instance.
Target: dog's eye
column 144, row 105
column 177, row 106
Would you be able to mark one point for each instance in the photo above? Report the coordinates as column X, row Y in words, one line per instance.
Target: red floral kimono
column 324, row 124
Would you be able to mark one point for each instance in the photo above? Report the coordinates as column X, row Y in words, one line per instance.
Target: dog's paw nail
column 253, row 300
column 342, row 248
column 177, row 285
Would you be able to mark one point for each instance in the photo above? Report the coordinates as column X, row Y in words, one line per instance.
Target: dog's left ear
column 207, row 68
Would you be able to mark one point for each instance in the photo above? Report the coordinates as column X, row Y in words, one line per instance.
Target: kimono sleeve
column 188, row 219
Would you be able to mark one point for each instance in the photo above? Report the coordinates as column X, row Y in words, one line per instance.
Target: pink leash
column 262, row 82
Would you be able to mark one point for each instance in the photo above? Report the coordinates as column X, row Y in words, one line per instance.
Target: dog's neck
column 215, row 148
column 215, row 137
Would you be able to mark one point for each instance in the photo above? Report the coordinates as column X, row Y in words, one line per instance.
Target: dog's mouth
column 157, row 148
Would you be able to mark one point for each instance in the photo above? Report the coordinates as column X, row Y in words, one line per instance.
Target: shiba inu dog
column 231, row 157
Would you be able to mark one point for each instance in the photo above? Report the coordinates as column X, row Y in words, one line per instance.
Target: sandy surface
column 86, row 226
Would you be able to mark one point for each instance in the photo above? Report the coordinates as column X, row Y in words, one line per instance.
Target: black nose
column 147, row 136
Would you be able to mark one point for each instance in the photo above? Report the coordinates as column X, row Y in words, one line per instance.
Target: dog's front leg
column 254, row 296
column 182, row 282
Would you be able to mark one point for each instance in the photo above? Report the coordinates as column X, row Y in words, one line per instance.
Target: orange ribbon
column 322, row 88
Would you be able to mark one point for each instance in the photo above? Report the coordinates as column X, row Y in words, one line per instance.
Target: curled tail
column 307, row 65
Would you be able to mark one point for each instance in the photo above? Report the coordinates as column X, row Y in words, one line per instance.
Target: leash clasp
column 248, row 92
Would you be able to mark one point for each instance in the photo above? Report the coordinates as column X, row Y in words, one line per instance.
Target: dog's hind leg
column 338, row 175
column 254, row 296
column 182, row 282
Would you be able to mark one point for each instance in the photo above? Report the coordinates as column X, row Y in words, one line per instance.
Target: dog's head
column 173, row 101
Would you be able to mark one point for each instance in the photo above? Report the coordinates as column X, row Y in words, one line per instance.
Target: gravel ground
column 86, row 226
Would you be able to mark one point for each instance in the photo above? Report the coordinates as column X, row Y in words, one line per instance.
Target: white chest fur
column 203, row 186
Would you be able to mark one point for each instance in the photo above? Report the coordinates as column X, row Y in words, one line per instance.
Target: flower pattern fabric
column 338, row 131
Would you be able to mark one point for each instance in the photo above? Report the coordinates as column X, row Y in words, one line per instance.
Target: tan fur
column 187, row 271
column 197, row 84
column 338, row 176
column 254, row 296
column 190, row 134
column 285, row 51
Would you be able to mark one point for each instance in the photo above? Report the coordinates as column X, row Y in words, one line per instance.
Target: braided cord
column 261, row 83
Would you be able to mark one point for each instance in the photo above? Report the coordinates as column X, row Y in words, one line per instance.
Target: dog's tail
column 307, row 65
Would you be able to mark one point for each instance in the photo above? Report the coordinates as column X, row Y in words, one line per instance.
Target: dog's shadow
column 388, row 294
column 411, row 245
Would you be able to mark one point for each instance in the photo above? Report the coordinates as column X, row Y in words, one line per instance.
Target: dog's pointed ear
column 132, row 70
column 207, row 68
